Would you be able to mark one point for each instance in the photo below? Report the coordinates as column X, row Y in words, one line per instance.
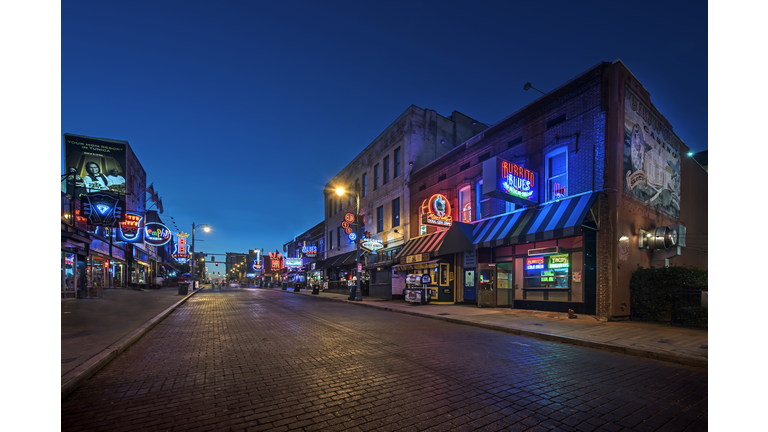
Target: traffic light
column 217, row 264
column 213, row 258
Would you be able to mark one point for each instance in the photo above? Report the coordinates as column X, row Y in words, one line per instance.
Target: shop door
column 505, row 288
column 470, row 293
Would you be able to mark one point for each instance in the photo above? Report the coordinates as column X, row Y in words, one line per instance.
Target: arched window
column 465, row 204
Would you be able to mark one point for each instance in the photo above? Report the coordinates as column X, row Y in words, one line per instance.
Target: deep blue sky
column 240, row 112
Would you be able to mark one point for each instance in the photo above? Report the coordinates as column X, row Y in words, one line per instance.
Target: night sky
column 241, row 112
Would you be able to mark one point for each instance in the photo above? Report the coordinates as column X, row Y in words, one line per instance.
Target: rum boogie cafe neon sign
column 510, row 182
column 436, row 211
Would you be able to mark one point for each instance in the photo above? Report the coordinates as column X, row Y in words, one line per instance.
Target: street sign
column 359, row 267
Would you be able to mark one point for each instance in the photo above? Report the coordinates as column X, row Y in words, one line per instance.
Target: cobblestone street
column 261, row 360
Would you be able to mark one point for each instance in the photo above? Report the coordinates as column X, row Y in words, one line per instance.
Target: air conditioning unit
column 554, row 250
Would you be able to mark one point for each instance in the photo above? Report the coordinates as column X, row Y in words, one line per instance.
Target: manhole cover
column 539, row 324
column 67, row 360
column 443, row 314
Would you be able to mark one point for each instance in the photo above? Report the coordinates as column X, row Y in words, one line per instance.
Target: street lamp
column 192, row 268
column 358, row 239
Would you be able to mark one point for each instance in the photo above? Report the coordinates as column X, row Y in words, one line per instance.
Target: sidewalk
column 659, row 341
column 94, row 331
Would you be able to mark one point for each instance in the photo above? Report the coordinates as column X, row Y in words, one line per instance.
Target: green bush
column 654, row 291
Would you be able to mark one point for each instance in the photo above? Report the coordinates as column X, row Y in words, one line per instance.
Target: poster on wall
column 651, row 157
column 98, row 163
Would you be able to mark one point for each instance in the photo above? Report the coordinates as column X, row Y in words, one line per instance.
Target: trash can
column 352, row 292
column 285, row 286
column 315, row 289
column 183, row 288
column 297, row 287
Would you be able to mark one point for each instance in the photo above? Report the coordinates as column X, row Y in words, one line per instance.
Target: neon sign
column 257, row 262
column 130, row 228
column 101, row 208
column 180, row 254
column 558, row 261
column 558, row 190
column 276, row 259
column 436, row 211
column 534, row 263
column 156, row 234
column 517, row 180
column 294, row 262
column 466, row 213
column 372, row 244
column 509, row 182
column 309, row 251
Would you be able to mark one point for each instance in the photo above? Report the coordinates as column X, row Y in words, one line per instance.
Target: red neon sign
column 437, row 211
column 517, row 171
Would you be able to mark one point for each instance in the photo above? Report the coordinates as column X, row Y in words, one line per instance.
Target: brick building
column 381, row 174
column 573, row 181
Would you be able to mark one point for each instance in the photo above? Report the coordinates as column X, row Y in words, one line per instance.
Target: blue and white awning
column 558, row 219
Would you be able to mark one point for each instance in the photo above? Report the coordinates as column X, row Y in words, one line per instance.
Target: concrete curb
column 603, row 346
column 74, row 378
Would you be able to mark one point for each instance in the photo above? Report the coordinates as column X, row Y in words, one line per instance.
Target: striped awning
column 557, row 219
column 422, row 244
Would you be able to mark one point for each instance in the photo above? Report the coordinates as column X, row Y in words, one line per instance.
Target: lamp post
column 194, row 261
column 358, row 221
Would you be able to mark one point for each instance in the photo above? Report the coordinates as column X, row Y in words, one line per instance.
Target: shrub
column 668, row 294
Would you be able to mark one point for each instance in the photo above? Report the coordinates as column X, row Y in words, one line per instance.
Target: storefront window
column 547, row 272
column 68, row 272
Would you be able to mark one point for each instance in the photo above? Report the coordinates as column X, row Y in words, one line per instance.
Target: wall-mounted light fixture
column 528, row 86
column 623, row 238
column 397, row 232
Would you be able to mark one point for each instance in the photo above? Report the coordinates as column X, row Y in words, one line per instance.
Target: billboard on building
column 98, row 164
column 651, row 157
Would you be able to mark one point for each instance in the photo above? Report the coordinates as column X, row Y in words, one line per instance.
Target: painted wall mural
column 651, row 157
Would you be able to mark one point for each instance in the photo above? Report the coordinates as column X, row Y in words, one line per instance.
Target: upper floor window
column 465, row 204
column 375, row 176
column 365, row 184
column 556, row 173
column 330, row 240
column 396, row 212
column 380, row 219
column 397, row 163
column 482, row 202
column 330, row 207
column 386, row 170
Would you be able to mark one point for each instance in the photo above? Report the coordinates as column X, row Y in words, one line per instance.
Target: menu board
column 547, row 272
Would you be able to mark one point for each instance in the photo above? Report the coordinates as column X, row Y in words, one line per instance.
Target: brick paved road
column 264, row 360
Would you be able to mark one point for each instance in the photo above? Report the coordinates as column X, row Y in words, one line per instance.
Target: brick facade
column 592, row 133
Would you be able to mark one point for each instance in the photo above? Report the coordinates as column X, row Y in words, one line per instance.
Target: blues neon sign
column 510, row 182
